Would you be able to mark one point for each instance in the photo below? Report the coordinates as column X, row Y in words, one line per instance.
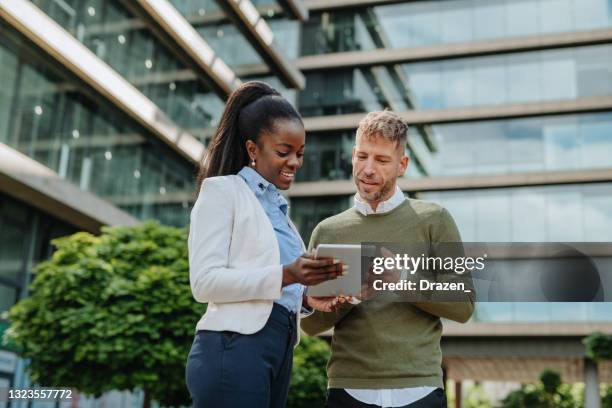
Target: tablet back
column 349, row 284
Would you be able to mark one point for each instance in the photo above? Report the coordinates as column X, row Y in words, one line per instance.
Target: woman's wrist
column 287, row 276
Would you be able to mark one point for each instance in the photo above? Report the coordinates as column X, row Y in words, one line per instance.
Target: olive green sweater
column 385, row 345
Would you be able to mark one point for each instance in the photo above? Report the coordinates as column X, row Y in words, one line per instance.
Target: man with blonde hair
column 385, row 354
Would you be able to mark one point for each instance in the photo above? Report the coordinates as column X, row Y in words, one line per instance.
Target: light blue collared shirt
column 289, row 243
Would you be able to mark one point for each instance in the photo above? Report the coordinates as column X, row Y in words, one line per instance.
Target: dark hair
column 250, row 110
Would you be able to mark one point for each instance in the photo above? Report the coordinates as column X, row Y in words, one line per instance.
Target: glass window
column 230, row 44
column 8, row 73
column 488, row 20
column 489, row 82
column 306, row 213
column 196, row 7
column 8, row 297
column 425, row 82
column 592, row 14
column 528, row 204
column 457, row 83
column 542, row 312
column 425, row 23
column 556, row 16
column 465, row 82
column 593, row 71
column 523, row 80
column 561, row 143
column 12, row 251
column 565, row 213
column 456, row 21
column 327, row 157
column 116, row 36
column 338, row 92
column 568, row 142
column 422, row 20
column 558, row 67
column 90, row 144
column 521, row 18
column 595, row 145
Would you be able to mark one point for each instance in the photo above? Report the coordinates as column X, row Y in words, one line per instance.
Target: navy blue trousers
column 231, row 370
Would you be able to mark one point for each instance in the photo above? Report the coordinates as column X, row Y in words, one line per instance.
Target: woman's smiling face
column 280, row 153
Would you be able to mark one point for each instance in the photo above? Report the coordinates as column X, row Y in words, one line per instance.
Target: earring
column 252, row 162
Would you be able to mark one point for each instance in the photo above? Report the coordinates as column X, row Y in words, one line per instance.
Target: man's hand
column 388, row 276
column 326, row 304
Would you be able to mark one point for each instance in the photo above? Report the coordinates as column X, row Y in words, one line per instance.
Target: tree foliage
column 549, row 392
column 476, row 397
column 598, row 346
column 606, row 400
column 111, row 312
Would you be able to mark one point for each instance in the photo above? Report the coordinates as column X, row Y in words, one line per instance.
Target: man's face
column 377, row 163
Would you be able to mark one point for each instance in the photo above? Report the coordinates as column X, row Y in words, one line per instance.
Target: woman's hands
column 309, row 271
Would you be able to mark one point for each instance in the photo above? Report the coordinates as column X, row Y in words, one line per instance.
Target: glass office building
column 106, row 107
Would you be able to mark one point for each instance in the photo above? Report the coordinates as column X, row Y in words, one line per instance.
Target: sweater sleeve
column 210, row 234
column 319, row 322
column 444, row 230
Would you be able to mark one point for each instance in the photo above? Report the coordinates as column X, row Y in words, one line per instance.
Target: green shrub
column 549, row 392
column 309, row 377
column 477, row 398
column 111, row 312
column 606, row 400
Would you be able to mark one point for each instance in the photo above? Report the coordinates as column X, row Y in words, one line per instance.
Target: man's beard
column 378, row 195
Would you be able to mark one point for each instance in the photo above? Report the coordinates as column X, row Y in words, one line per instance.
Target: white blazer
column 234, row 260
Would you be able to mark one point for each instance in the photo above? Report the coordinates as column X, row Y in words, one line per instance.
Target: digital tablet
column 350, row 284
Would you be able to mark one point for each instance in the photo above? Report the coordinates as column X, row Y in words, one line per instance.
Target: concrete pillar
column 591, row 384
column 459, row 396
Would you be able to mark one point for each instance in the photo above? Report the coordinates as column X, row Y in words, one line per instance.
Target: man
column 385, row 354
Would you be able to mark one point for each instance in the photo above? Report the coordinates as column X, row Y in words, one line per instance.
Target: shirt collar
column 255, row 181
column 261, row 187
column 383, row 207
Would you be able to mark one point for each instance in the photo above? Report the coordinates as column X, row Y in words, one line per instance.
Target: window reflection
column 306, row 213
column 424, row 23
column 570, row 142
column 96, row 148
column 570, row 213
column 573, row 213
column 327, row 157
column 481, row 81
column 117, row 37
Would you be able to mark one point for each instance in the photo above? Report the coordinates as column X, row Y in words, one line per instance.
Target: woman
column 246, row 258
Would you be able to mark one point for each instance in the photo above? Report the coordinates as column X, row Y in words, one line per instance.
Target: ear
column 353, row 154
column 252, row 149
column 403, row 165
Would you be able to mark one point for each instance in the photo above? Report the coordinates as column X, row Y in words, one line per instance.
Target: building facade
column 106, row 107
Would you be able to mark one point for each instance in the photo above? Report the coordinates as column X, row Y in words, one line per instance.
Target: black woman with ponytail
column 246, row 258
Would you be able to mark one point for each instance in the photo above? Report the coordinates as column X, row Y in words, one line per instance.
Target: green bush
column 477, row 398
column 115, row 312
column 111, row 312
column 549, row 392
column 309, row 377
column 606, row 400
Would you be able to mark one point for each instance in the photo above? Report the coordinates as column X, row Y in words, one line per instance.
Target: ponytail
column 250, row 110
